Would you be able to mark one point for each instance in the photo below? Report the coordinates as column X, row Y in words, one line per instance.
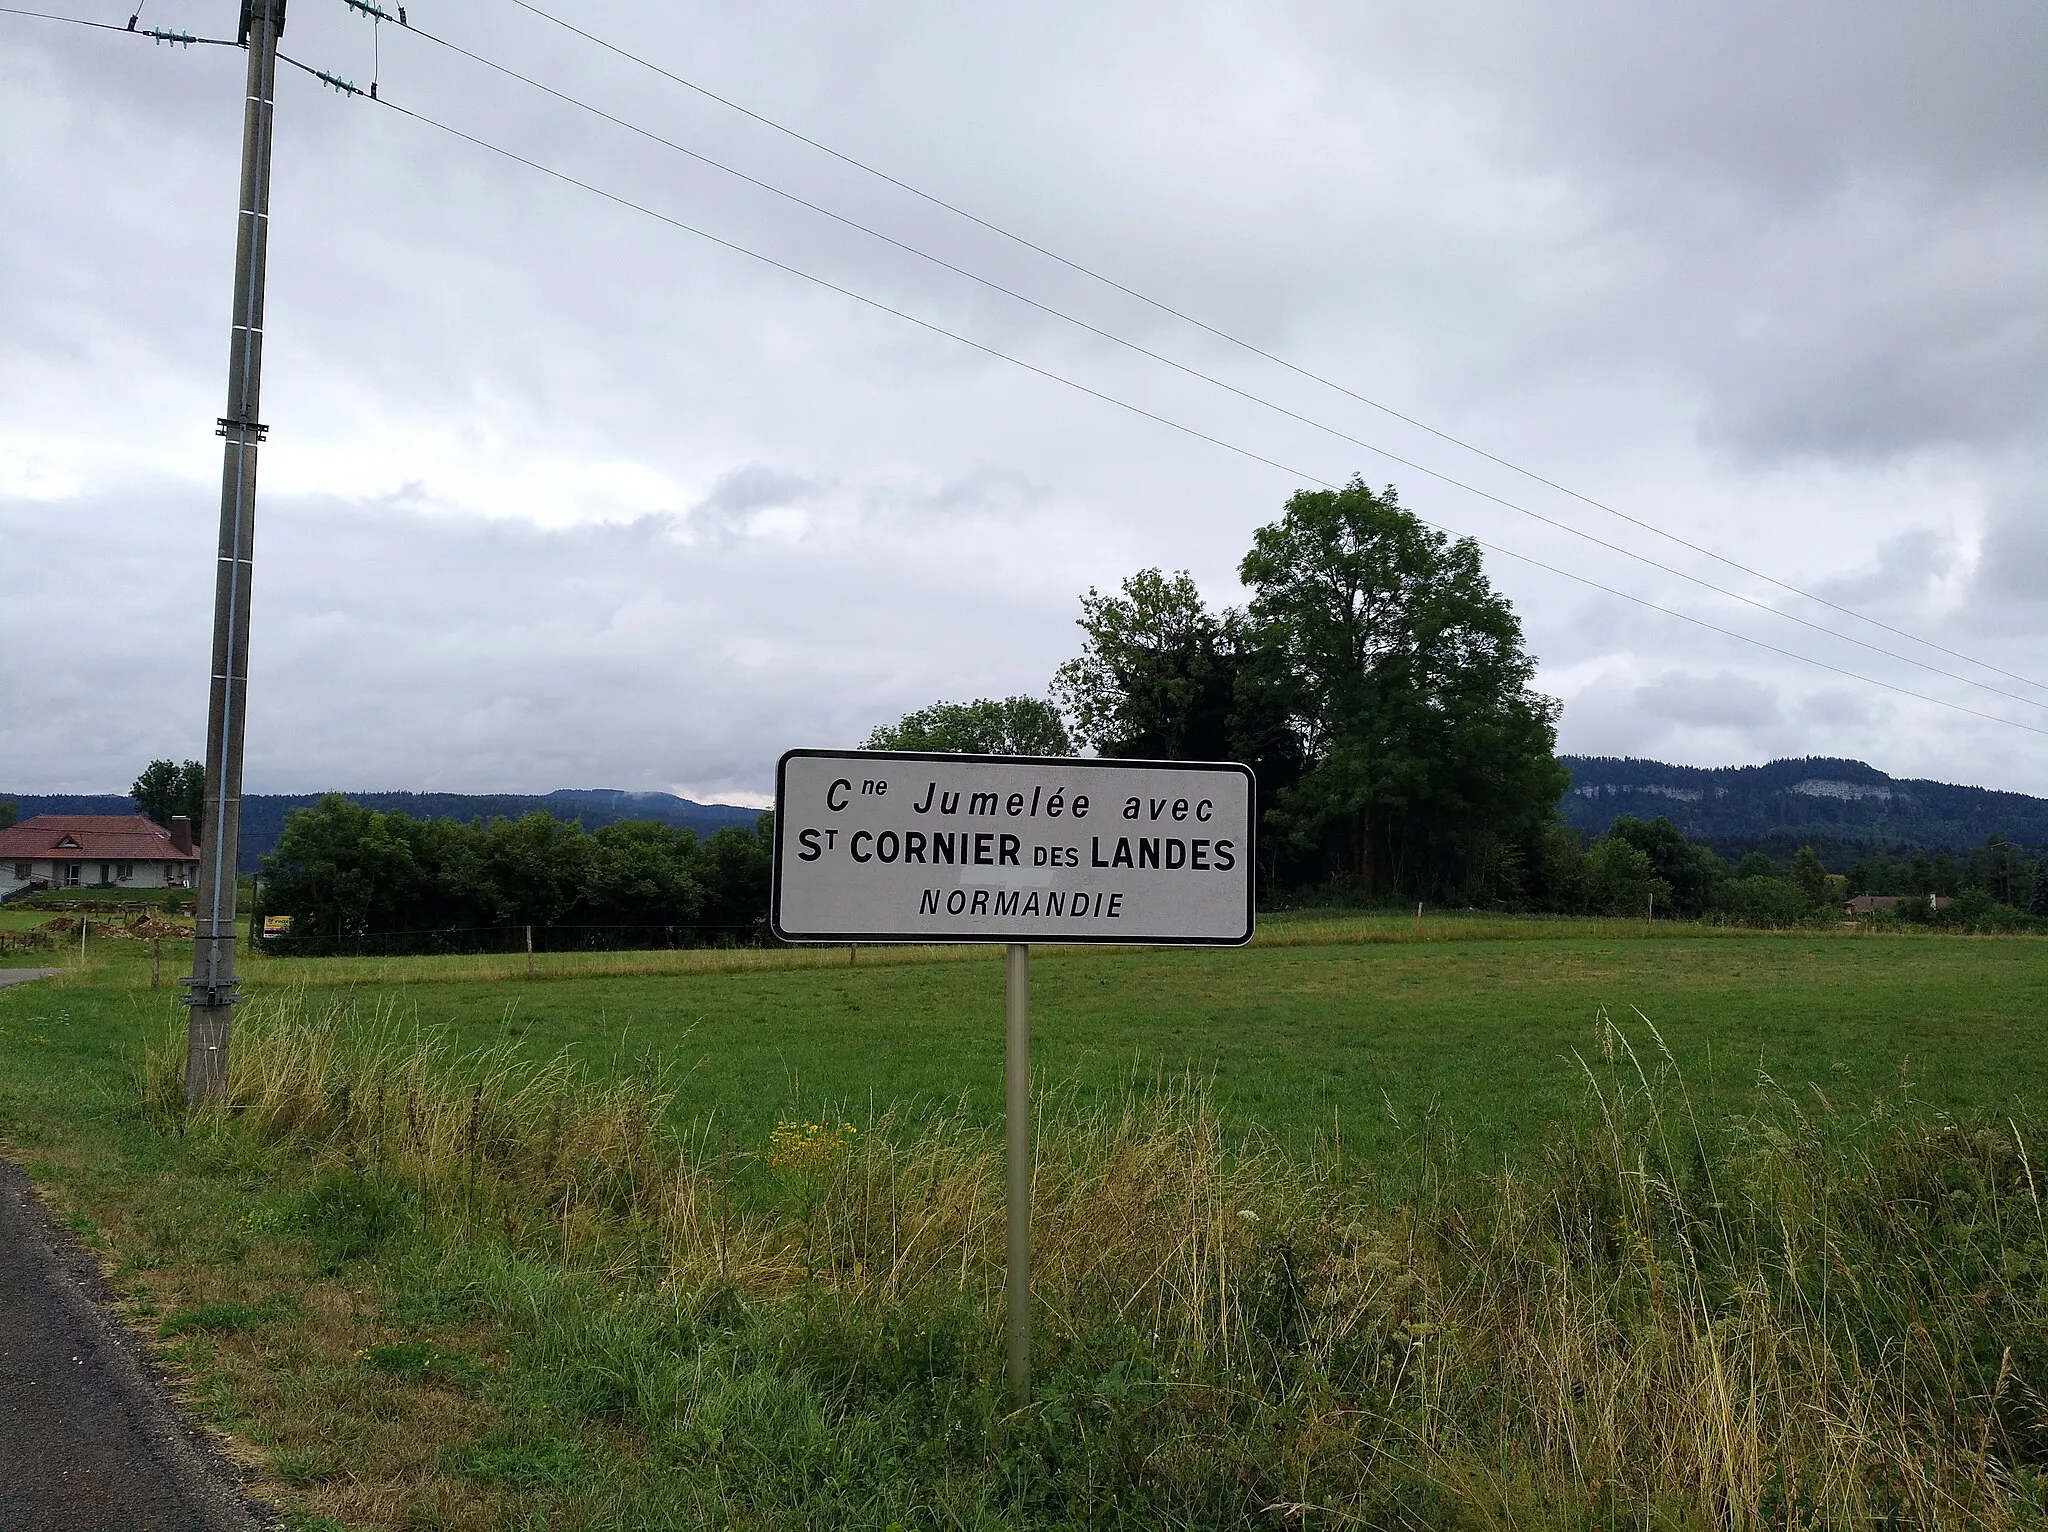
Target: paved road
column 24, row 975
column 87, row 1442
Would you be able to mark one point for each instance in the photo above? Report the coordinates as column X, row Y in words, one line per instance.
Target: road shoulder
column 90, row 1434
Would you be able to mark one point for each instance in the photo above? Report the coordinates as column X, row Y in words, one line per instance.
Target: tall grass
column 1806, row 1317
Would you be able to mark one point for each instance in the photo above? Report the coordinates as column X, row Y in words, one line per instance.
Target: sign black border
column 1251, row 888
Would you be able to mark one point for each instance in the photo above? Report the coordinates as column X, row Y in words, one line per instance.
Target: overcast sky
column 558, row 495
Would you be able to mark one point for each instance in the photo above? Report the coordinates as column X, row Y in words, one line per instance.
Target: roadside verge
column 89, row 1435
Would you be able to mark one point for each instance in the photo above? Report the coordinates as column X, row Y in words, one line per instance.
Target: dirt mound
column 144, row 927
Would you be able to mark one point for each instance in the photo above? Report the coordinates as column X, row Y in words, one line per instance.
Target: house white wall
column 57, row 873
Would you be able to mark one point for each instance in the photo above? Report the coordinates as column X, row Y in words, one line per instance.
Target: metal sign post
column 897, row 846
column 1017, row 1128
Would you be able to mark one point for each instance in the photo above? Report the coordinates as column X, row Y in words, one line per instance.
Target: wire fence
column 512, row 939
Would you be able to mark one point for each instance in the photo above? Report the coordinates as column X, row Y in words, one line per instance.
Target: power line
column 1135, row 409
column 1192, row 372
column 991, row 351
column 154, row 34
column 333, row 82
column 1278, row 361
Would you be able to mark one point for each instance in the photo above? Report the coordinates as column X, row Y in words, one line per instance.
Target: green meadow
column 1376, row 1022
column 1462, row 1221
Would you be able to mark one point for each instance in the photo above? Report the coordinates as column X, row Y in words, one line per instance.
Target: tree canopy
column 345, row 873
column 1428, row 754
column 1376, row 684
column 1155, row 675
column 1690, row 875
column 167, row 789
column 1013, row 726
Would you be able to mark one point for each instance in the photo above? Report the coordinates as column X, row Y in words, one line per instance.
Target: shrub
column 1765, row 902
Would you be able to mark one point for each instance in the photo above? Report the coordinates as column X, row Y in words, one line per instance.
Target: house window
column 123, row 871
column 23, row 871
column 73, row 874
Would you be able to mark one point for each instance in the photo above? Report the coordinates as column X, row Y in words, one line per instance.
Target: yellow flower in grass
column 808, row 1146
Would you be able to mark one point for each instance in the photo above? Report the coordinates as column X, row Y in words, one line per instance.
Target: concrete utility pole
column 210, row 992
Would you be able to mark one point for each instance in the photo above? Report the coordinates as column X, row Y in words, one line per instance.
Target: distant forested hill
column 263, row 813
column 1844, row 807
column 1778, row 807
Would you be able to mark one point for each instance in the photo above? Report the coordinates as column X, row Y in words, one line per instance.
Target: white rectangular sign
column 896, row 846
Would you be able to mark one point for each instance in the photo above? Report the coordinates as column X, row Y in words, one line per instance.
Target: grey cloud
column 1798, row 96
column 1720, row 701
column 2009, row 591
column 754, row 488
column 1904, row 565
column 1885, row 329
column 396, row 648
column 738, row 501
column 1835, row 707
column 538, row 463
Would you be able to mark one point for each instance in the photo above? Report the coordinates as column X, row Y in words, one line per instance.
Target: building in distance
column 1864, row 904
column 96, row 851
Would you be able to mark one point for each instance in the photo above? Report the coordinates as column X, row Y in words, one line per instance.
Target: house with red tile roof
column 96, row 850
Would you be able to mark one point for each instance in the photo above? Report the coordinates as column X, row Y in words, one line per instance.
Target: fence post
column 156, row 961
column 529, row 952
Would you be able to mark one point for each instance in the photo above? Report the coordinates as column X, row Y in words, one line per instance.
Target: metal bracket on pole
column 200, row 993
column 1017, row 1115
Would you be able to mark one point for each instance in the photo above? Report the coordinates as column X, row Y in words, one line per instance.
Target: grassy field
column 483, row 1307
column 1473, row 1023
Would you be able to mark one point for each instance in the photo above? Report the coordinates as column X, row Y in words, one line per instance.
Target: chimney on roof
column 181, row 832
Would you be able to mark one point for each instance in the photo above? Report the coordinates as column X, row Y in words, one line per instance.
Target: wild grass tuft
column 1805, row 1317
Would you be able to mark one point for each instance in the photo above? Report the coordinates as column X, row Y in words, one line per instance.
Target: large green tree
column 1160, row 676
column 1691, row 875
column 1013, row 726
column 735, row 869
column 643, row 871
column 1154, row 677
column 341, row 869
column 166, row 789
column 1427, row 750
column 1999, row 869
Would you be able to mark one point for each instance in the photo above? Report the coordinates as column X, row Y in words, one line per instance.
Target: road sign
column 898, row 846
